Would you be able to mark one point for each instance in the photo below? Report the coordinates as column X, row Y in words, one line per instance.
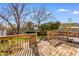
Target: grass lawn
column 4, row 47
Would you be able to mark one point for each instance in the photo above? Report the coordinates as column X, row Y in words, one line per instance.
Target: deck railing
column 11, row 44
column 64, row 35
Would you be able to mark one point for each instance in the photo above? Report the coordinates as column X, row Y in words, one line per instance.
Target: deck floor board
column 47, row 49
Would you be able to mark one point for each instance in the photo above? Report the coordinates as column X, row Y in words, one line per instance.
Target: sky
column 62, row 11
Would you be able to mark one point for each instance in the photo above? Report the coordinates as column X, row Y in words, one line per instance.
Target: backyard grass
column 7, row 46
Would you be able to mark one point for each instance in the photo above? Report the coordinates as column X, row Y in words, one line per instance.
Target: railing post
column 67, row 36
column 33, row 45
column 77, row 37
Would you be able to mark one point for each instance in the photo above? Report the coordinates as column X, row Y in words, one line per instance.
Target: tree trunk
column 39, row 25
column 18, row 26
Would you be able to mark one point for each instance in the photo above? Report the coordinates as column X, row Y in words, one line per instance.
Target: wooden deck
column 47, row 49
column 59, row 44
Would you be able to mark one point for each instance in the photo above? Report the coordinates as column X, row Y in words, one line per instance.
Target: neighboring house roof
column 65, row 25
column 73, row 27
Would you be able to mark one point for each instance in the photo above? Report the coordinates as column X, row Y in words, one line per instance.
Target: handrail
column 67, row 34
column 11, row 44
column 17, row 35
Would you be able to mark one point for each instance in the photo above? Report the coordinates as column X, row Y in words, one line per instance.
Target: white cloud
column 63, row 10
column 47, row 12
column 75, row 12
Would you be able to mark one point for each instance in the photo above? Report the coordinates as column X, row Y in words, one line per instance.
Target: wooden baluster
column 17, row 44
column 25, row 39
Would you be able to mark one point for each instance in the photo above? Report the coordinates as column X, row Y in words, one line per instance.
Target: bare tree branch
column 15, row 13
column 6, row 19
column 40, row 15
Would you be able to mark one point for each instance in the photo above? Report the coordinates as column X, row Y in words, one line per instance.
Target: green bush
column 30, row 31
column 49, row 26
column 44, row 28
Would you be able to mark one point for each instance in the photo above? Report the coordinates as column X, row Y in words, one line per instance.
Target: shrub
column 30, row 31
column 49, row 26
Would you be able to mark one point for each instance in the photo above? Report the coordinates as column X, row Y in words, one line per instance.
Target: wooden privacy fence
column 64, row 35
column 12, row 44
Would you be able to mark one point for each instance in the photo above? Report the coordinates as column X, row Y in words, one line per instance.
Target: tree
column 49, row 26
column 69, row 23
column 40, row 14
column 16, row 13
column 30, row 25
column 54, row 25
column 9, row 29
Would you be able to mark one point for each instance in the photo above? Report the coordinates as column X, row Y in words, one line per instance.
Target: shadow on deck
column 53, row 47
